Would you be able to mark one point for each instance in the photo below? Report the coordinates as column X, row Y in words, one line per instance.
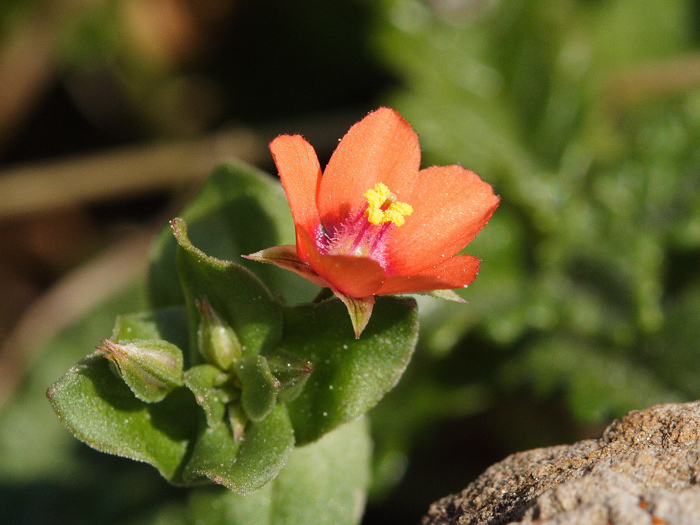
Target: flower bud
column 216, row 340
column 151, row 368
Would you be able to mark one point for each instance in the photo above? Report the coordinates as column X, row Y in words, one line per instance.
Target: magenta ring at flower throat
column 356, row 236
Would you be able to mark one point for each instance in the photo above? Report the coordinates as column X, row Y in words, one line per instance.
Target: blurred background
column 583, row 114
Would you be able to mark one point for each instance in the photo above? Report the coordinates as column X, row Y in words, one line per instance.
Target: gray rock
column 644, row 469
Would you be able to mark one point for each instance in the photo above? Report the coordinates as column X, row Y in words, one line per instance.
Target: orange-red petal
column 300, row 172
column 354, row 276
column 455, row 272
column 450, row 206
column 382, row 147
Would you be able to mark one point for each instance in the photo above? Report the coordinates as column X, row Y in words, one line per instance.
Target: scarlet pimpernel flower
column 374, row 223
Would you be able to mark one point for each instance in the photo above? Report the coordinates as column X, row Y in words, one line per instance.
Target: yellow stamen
column 396, row 212
column 379, row 197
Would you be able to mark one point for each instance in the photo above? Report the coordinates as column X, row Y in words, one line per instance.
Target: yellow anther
column 396, row 212
column 374, row 215
column 379, row 197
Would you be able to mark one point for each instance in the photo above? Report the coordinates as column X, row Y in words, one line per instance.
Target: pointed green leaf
column 237, row 295
column 351, row 375
column 238, row 210
column 243, row 466
column 100, row 410
column 203, row 381
column 324, row 483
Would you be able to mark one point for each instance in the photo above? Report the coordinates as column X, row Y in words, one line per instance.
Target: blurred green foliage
column 577, row 113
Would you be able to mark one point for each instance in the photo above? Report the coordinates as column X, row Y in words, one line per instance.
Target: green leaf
column 237, row 295
column 258, row 387
column 203, row 380
column 351, row 375
column 100, row 410
column 324, row 483
column 243, row 466
column 239, row 210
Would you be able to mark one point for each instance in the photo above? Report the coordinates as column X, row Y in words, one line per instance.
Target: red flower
column 373, row 223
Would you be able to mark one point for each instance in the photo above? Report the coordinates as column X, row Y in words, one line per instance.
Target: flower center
column 363, row 233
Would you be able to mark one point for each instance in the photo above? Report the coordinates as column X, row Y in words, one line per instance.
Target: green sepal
column 258, row 387
column 286, row 257
column 151, row 368
column 359, row 309
column 242, row 465
column 205, row 381
column 100, row 410
column 237, row 295
column 447, row 295
column 351, row 375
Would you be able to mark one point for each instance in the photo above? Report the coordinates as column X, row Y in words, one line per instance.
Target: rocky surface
column 644, row 469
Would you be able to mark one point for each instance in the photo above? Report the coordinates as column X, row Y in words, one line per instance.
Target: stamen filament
column 379, row 236
column 360, row 235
